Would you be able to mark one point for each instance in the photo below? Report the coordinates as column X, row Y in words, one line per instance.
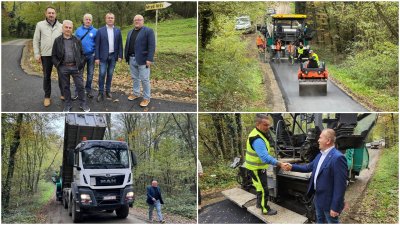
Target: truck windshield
column 105, row 158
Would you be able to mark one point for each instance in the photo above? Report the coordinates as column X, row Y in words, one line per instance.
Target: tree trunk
column 239, row 134
column 11, row 162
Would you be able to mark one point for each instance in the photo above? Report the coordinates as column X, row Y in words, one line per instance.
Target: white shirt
column 321, row 160
column 110, row 33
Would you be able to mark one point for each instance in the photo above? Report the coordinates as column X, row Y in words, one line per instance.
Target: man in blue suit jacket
column 139, row 52
column 328, row 180
column 154, row 199
column 108, row 51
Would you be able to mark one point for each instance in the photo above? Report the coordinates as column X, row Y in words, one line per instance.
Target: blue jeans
column 89, row 72
column 140, row 73
column 324, row 216
column 156, row 205
column 107, row 66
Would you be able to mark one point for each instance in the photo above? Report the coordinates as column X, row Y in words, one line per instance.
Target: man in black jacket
column 67, row 57
column 154, row 200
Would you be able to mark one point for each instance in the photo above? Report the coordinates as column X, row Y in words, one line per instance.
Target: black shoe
column 270, row 212
column 108, row 95
column 67, row 108
column 85, row 108
column 100, row 97
column 75, row 97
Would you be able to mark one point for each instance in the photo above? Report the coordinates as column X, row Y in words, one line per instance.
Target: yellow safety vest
column 316, row 57
column 252, row 161
column 300, row 51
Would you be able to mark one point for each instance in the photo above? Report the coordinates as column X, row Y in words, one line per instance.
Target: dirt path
column 355, row 192
column 273, row 96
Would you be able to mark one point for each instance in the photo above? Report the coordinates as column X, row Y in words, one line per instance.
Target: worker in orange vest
column 260, row 42
column 278, row 47
column 291, row 49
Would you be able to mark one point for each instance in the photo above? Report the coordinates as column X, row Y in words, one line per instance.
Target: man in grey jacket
column 45, row 33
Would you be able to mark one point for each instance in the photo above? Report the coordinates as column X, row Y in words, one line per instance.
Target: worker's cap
column 311, row 51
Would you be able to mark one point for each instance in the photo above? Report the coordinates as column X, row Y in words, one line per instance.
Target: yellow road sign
column 160, row 5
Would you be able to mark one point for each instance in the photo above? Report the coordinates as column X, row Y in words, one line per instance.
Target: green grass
column 369, row 77
column 381, row 201
column 183, row 204
column 5, row 39
column 174, row 36
column 217, row 177
column 23, row 208
column 381, row 100
column 175, row 57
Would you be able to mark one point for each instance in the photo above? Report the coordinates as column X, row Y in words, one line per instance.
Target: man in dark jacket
column 154, row 199
column 139, row 52
column 67, row 57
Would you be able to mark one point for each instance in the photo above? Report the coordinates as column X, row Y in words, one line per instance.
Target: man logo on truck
column 109, row 181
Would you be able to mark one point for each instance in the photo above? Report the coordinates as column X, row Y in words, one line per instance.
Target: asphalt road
column 225, row 211
column 335, row 100
column 57, row 214
column 21, row 92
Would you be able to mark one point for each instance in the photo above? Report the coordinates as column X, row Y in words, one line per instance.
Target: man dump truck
column 289, row 28
column 294, row 139
column 313, row 81
column 96, row 174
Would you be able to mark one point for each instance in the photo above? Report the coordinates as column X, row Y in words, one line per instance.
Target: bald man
column 154, row 200
column 139, row 52
column 328, row 180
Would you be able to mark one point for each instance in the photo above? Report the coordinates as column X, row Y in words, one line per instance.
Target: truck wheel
column 65, row 203
column 76, row 216
column 122, row 212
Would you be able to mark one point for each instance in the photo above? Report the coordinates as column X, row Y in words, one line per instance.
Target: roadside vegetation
column 380, row 203
column 363, row 59
column 25, row 209
column 229, row 76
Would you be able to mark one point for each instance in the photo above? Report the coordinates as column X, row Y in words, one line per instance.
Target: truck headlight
column 85, row 199
column 129, row 196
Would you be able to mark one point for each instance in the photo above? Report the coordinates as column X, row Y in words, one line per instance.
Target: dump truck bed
column 77, row 126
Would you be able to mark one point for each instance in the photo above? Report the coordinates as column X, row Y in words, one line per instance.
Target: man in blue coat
column 87, row 34
column 108, row 51
column 154, row 200
column 328, row 180
column 139, row 53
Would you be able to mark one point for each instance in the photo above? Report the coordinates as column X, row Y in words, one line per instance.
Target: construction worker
column 278, row 47
column 291, row 49
column 260, row 42
column 258, row 159
column 300, row 52
column 313, row 60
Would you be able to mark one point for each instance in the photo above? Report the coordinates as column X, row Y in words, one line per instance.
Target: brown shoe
column 62, row 98
column 132, row 97
column 46, row 102
column 145, row 103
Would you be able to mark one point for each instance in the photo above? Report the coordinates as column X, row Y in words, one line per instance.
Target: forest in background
column 32, row 144
column 19, row 18
column 358, row 40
